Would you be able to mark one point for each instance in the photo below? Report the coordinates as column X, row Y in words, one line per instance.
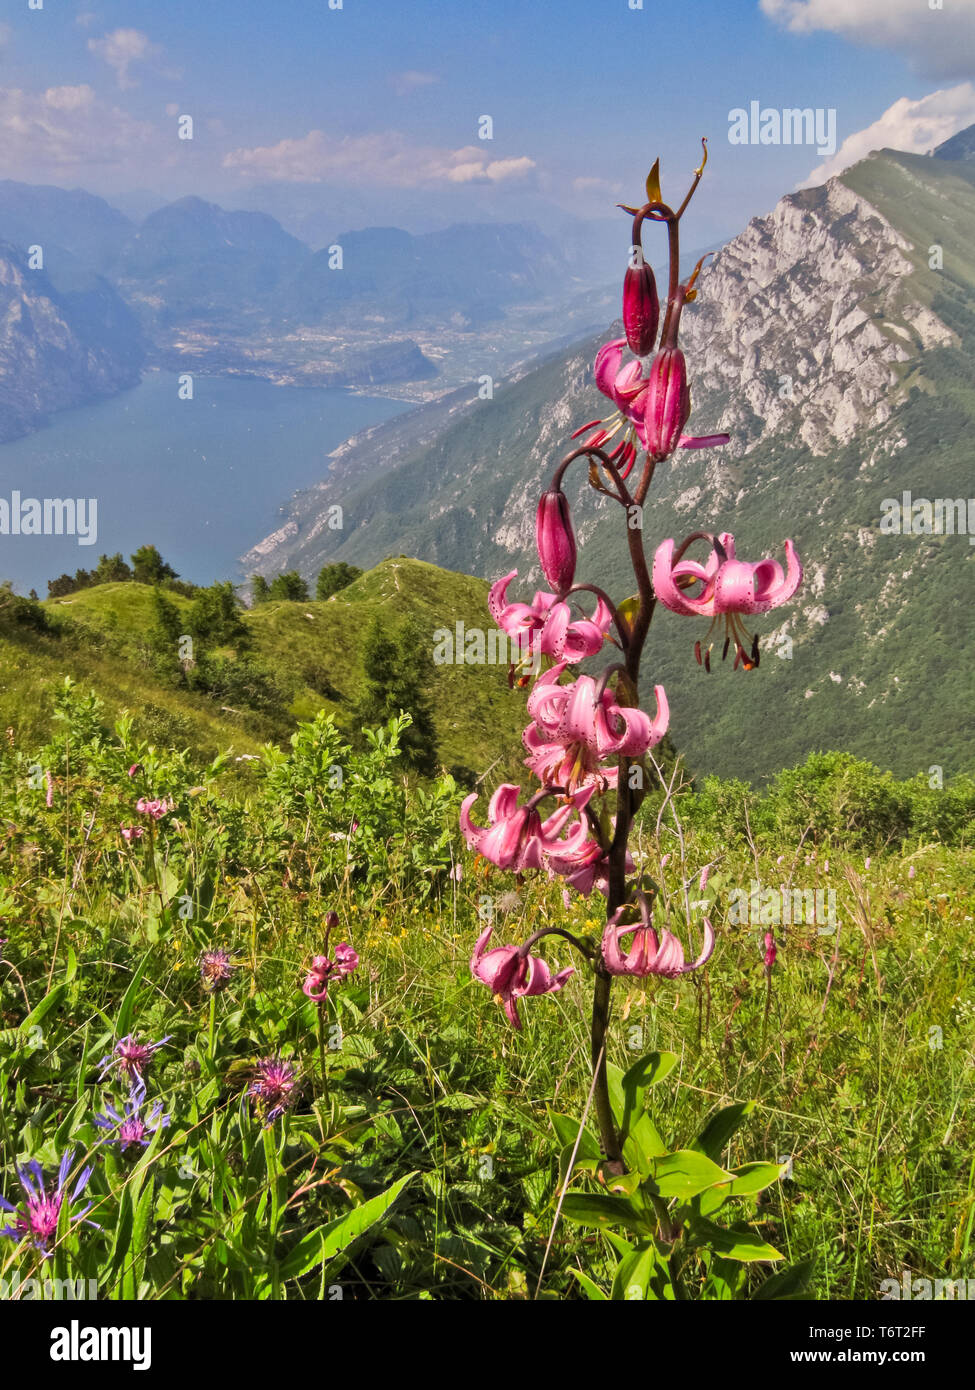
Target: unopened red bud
column 331, row 920
column 668, row 402
column 641, row 308
column 556, row 540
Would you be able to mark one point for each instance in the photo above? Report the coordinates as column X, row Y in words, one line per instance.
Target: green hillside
column 311, row 652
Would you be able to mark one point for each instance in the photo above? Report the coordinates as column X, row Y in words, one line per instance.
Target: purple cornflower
column 37, row 1219
column 130, row 1059
column 130, row 1128
column 216, row 968
column 272, row 1087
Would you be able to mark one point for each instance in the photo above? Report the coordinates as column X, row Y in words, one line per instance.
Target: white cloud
column 120, row 49
column 373, row 159
column 63, row 127
column 914, row 126
column 412, row 81
column 937, row 42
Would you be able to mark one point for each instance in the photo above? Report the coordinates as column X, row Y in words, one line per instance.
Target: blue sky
column 374, row 107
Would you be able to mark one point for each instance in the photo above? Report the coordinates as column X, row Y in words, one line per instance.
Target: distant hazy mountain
column 60, row 220
column 65, row 338
column 465, row 275
column 843, row 364
column 232, row 292
column 191, row 261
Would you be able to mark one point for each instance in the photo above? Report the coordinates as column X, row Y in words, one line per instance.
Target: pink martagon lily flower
column 547, row 623
column 594, row 873
column 517, row 837
column 725, row 587
column 727, row 584
column 648, row 954
column 576, row 727
column 514, row 974
column 323, row 971
column 646, row 404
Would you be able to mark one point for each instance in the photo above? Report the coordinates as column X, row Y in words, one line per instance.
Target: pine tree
column 397, row 669
column 289, row 586
column 332, row 579
column 149, row 567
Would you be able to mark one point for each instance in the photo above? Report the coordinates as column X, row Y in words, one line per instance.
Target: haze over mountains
column 835, row 340
column 196, row 287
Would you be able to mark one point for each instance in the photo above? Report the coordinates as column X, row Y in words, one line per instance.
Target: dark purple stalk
column 633, row 643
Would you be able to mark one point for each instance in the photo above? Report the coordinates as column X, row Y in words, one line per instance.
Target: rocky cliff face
column 806, row 319
column 835, row 340
column 59, row 346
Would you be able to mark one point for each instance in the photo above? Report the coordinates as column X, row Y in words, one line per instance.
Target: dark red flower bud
column 668, row 402
column 556, row 540
column 641, row 307
column 331, row 920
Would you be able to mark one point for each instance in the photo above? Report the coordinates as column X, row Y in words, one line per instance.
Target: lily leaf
column 744, row 1245
column 592, row 1291
column 567, row 1132
column 592, row 1209
column 720, row 1127
column 684, row 1174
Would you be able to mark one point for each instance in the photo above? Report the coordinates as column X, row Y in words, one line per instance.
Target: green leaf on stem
column 641, row 1142
column 684, row 1174
column 634, row 1272
column 567, row 1132
column 744, row 1245
column 592, row 1209
column 720, row 1127
column 592, row 1291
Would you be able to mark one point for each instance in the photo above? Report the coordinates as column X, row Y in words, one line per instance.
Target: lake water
column 203, row 480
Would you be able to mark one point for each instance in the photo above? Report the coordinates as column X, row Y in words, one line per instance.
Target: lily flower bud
column 556, row 540
column 641, row 306
column 668, row 402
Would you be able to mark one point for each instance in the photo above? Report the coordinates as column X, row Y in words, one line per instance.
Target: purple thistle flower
column 130, row 1059
column 272, row 1087
column 131, row 1129
column 216, row 969
column 37, row 1219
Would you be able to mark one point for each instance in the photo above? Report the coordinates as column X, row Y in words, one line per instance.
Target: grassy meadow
column 419, row 1151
